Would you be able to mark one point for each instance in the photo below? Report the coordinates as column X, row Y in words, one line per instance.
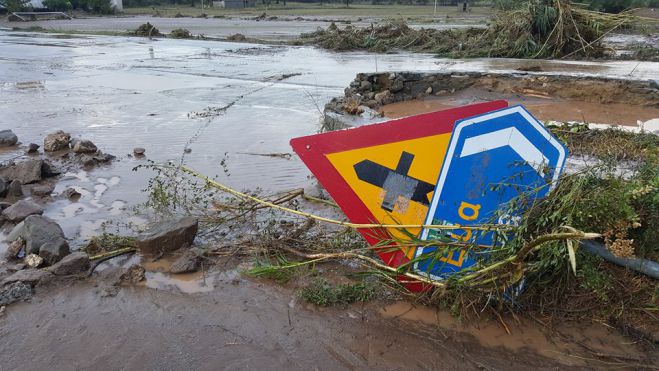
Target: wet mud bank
column 590, row 98
column 245, row 324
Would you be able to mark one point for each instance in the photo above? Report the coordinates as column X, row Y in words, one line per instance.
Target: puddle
column 523, row 333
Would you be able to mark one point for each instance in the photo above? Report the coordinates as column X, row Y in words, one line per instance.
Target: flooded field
column 168, row 96
column 221, row 108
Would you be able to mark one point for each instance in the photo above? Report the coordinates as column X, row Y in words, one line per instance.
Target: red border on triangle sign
column 314, row 151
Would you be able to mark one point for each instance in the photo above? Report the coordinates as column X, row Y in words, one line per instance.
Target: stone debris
column 39, row 230
column 190, row 261
column 15, row 189
column 56, row 141
column 33, row 261
column 17, row 291
column 43, row 190
column 54, row 251
column 21, row 210
column 84, row 146
column 71, row 193
column 28, row 276
column 4, row 187
column 33, row 148
column 134, row 274
column 168, row 236
column 73, row 263
column 14, row 248
column 7, row 138
column 26, row 172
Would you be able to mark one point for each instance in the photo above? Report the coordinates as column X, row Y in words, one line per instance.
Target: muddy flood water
column 168, row 96
column 217, row 107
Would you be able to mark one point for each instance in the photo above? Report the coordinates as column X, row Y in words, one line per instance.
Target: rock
column 14, row 292
column 15, row 248
column 17, row 232
column 15, row 189
column 26, row 172
column 429, row 90
column 4, row 187
column 168, row 236
column 74, row 263
column 84, row 146
column 139, row 151
column 7, row 138
column 39, row 230
column 43, row 190
column 56, row 141
column 190, row 261
column 28, row 276
column 365, row 86
column 4, row 205
column 134, row 274
column 397, row 86
column 21, row 210
column 92, row 160
column 48, row 170
column 32, row 148
column 384, row 97
column 33, row 260
column 71, row 194
column 54, row 251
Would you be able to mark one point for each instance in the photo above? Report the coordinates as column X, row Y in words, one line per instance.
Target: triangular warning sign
column 385, row 173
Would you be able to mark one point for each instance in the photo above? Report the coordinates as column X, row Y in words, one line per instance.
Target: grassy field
column 307, row 10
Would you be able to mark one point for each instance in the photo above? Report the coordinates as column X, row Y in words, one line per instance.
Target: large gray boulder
column 56, row 141
column 54, row 251
column 26, row 172
column 38, row 230
column 7, row 138
column 21, row 210
column 29, row 276
column 168, row 236
column 74, row 263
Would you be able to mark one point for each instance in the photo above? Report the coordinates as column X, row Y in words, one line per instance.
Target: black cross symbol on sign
column 396, row 183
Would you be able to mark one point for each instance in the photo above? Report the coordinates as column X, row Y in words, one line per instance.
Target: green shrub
column 58, row 5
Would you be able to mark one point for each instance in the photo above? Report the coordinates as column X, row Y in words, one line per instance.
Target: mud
column 243, row 324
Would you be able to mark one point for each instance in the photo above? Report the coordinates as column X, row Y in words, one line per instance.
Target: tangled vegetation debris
column 180, row 33
column 541, row 268
column 146, row 30
column 533, row 29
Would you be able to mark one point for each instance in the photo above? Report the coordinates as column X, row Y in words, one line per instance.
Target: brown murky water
column 164, row 95
column 545, row 108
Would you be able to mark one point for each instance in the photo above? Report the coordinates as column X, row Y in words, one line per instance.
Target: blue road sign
column 493, row 160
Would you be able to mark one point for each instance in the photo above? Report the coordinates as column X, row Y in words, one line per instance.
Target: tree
column 14, row 5
column 59, row 5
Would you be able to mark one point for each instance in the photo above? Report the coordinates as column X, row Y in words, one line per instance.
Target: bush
column 59, row 5
column 180, row 33
column 97, row 6
column 14, row 5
